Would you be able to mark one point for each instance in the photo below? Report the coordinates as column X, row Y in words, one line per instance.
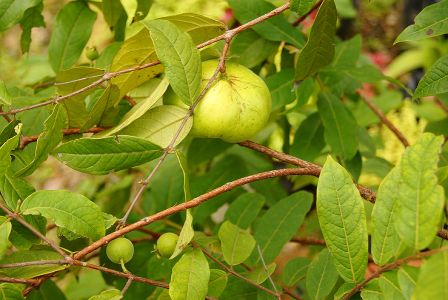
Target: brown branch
column 386, row 121
column 389, row 267
column 308, row 241
column 442, row 105
column 192, row 203
column 291, row 294
column 302, row 18
column 443, row 233
column 365, row 192
column 18, row 280
column 36, row 232
column 25, row 140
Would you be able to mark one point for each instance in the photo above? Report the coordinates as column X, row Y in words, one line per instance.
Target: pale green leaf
column 9, row 291
column 217, row 283
column 190, row 277
column 185, row 236
column 5, row 97
column 389, row 285
column 420, row 198
column 140, row 109
column 71, row 32
column 319, row 49
column 160, row 124
column 236, row 244
column 67, row 82
column 432, row 281
column 112, row 294
column 6, row 148
column 13, row 189
column 372, row 291
column 261, row 273
column 341, row 131
column 342, row 219
column 105, row 155
column 385, row 239
column 274, row 29
column 280, row 223
column 184, row 166
column 431, row 21
column 407, row 278
column 435, row 81
column 108, row 99
column 5, row 231
column 295, row 270
column 179, row 56
column 68, row 210
column 31, row 271
column 281, row 85
column 11, row 11
column 243, row 211
column 321, row 276
column 48, row 139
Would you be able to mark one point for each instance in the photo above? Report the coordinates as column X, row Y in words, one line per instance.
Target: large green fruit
column 120, row 249
column 234, row 109
column 166, row 244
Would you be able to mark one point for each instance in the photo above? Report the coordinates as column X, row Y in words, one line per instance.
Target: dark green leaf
column 309, row 138
column 281, row 86
column 295, row 270
column 243, row 211
column 32, row 18
column 217, row 283
column 301, row 7
column 108, row 99
column 435, row 80
column 11, row 11
column 321, row 276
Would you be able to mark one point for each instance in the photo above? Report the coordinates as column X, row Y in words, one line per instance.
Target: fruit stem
column 123, row 267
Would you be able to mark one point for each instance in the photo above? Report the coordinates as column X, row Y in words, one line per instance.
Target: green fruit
column 235, row 108
column 92, row 53
column 166, row 244
column 120, row 249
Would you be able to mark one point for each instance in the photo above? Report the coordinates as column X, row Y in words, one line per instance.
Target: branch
column 302, row 18
column 18, row 280
column 192, row 203
column 441, row 105
column 389, row 267
column 386, row 121
column 366, row 193
column 308, row 241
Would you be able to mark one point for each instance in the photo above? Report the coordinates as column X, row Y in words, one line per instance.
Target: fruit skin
column 92, row 53
column 166, row 244
column 234, row 109
column 120, row 249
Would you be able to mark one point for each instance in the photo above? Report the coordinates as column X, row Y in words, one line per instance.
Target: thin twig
column 386, row 121
column 19, row 280
column 265, row 267
column 127, row 285
column 36, row 232
column 389, row 267
column 302, row 18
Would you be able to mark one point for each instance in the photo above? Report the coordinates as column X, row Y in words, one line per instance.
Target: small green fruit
column 120, row 249
column 92, row 53
column 166, row 244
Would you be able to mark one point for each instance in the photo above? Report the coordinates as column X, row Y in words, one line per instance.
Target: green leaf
column 32, row 18
column 179, row 56
column 71, row 32
column 243, row 211
column 184, row 166
column 48, row 139
column 274, row 29
column 6, row 148
column 389, row 285
column 321, row 276
column 304, row 90
column 108, row 99
column 190, row 277
column 279, row 224
column 67, row 82
column 341, row 131
column 139, row 109
column 301, row 7
column 13, row 189
column 431, row 21
column 160, row 124
column 347, row 53
column 112, row 294
column 342, row 219
column 309, row 138
column 261, row 273
column 435, row 81
column 135, row 51
column 372, row 291
column 385, row 239
column 11, row 11
column 295, row 270
column 250, row 49
column 319, row 49
column 420, row 198
column 5, row 231
column 432, row 281
column 21, row 237
column 407, row 278
column 199, row 27
column 68, row 210
column 48, row 290
column 236, row 244
column 5, row 97
column 31, row 271
column 217, row 283
column 185, row 236
column 281, row 86
column 9, row 291
column 105, row 155
column 112, row 11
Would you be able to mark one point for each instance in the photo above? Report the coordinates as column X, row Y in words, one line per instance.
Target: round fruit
column 235, row 108
column 120, row 249
column 166, row 244
column 92, row 53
